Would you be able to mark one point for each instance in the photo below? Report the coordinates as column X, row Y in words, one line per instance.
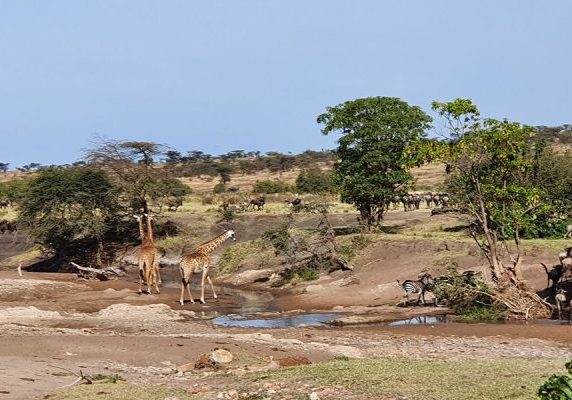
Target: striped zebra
column 424, row 284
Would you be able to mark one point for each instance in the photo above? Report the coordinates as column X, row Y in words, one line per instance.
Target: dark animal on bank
column 258, row 203
column 554, row 274
column 560, row 299
column 8, row 226
column 174, row 204
column 296, row 202
column 5, row 203
column 424, row 284
column 567, row 253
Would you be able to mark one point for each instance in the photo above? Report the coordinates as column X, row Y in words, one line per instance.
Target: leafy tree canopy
column 375, row 150
column 63, row 207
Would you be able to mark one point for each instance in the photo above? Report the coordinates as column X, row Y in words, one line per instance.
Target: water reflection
column 420, row 320
column 291, row 321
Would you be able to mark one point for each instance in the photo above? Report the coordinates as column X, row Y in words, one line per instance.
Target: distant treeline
column 197, row 163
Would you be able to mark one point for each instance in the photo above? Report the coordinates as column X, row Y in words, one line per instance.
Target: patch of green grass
column 24, row 258
column 447, row 258
column 112, row 391
column 233, row 257
column 553, row 245
column 304, row 274
column 426, row 380
column 350, row 246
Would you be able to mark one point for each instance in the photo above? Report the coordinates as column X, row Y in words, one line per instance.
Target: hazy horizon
column 254, row 75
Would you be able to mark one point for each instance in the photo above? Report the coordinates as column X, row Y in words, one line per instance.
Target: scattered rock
column 221, row 356
column 214, row 359
column 186, row 367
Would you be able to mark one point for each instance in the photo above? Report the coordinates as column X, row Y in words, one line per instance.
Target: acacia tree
column 131, row 165
column 490, row 163
column 374, row 150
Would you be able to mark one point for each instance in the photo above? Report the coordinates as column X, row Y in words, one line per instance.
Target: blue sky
column 222, row 75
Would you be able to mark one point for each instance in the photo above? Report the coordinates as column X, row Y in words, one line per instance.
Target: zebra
column 424, row 284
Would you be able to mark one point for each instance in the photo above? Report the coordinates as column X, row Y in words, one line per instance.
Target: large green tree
column 374, row 150
column 71, row 210
column 491, row 163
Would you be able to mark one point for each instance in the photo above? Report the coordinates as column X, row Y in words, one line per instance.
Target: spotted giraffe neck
column 212, row 244
column 149, row 237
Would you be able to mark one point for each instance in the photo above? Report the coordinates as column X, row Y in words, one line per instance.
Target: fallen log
column 103, row 274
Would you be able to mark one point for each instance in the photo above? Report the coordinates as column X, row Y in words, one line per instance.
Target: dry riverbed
column 54, row 325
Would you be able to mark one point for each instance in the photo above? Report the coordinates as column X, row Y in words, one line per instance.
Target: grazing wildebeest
column 296, row 202
column 174, row 204
column 5, row 203
column 428, row 197
column 8, row 226
column 257, row 202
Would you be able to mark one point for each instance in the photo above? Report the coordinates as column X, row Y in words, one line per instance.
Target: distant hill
column 558, row 137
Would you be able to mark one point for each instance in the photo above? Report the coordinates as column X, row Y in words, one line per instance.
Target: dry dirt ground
column 53, row 325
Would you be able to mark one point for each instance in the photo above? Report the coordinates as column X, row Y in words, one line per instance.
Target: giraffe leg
column 212, row 287
column 185, row 284
column 141, row 275
column 156, row 275
column 158, row 271
column 149, row 276
column 205, row 270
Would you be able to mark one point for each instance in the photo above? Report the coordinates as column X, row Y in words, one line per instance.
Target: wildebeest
column 5, row 203
column 174, row 203
column 257, row 202
column 296, row 202
column 8, row 226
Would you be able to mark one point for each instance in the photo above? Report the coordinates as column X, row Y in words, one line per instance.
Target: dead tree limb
column 103, row 274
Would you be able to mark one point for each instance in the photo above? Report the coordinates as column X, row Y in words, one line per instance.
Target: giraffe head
column 137, row 217
column 230, row 235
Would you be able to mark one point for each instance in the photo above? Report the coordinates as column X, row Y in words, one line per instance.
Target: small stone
column 314, row 396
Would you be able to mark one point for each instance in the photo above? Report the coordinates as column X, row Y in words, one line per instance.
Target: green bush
column 14, row 190
column 357, row 243
column 272, row 186
column 219, row 188
column 279, row 238
column 227, row 212
column 557, row 387
column 314, row 180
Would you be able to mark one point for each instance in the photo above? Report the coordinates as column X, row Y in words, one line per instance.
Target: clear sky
column 218, row 75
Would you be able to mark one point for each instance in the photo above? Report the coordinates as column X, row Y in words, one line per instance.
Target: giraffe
column 199, row 260
column 146, row 259
column 156, row 256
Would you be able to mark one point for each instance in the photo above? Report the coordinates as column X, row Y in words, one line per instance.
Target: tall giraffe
column 156, row 256
column 199, row 260
column 146, row 259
